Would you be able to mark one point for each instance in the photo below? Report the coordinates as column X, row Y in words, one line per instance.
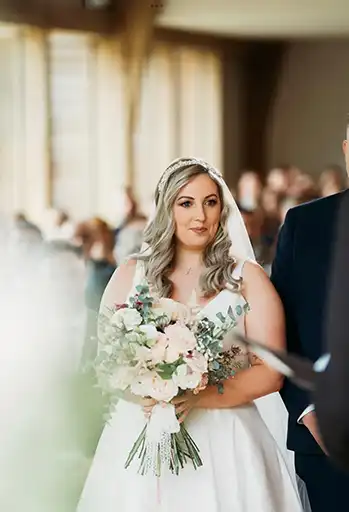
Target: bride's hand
column 184, row 404
column 147, row 405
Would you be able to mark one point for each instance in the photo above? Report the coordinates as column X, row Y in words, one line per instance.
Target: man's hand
column 310, row 421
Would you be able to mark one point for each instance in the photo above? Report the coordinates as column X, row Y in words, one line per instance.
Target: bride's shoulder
column 254, row 276
column 125, row 273
column 251, row 269
column 256, row 283
column 248, row 270
column 120, row 284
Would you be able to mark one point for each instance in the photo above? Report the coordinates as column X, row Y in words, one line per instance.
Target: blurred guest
column 332, row 180
column 96, row 239
column 270, row 202
column 278, row 180
column 129, row 235
column 57, row 225
column 271, row 224
column 253, row 220
column 249, row 189
column 65, row 226
column 285, row 206
column 303, row 188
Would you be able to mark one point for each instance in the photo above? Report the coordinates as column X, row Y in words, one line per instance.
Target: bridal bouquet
column 154, row 349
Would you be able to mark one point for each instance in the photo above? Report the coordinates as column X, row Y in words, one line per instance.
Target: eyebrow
column 193, row 198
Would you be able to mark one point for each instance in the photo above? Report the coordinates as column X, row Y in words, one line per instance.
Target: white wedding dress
column 243, row 469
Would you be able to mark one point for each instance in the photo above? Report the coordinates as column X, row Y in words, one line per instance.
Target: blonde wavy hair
column 159, row 235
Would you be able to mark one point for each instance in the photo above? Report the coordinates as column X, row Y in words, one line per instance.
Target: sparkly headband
column 180, row 163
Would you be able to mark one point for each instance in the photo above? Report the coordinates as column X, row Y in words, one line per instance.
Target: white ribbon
column 162, row 424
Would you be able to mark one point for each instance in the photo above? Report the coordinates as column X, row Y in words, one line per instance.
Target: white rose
column 185, row 378
column 126, row 318
column 142, row 354
column 133, row 337
column 152, row 385
column 150, row 331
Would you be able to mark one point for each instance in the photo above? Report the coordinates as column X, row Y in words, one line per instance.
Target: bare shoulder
column 127, row 268
column 120, row 284
column 265, row 320
column 257, row 282
column 124, row 274
column 253, row 272
column 252, row 269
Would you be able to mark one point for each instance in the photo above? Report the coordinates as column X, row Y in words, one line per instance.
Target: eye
column 211, row 202
column 186, row 204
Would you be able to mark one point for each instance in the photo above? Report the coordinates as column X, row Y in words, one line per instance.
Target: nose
column 200, row 213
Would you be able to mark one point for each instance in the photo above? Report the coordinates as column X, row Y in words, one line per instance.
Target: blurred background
column 98, row 96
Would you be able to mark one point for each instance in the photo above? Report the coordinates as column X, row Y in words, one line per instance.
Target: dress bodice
column 220, row 304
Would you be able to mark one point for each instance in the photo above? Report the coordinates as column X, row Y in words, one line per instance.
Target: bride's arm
column 264, row 323
column 119, row 286
column 117, row 292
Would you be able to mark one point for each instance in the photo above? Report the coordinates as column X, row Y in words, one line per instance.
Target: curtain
column 68, row 125
column 180, row 113
column 136, row 40
column 201, row 104
column 110, row 120
column 72, row 91
column 11, row 119
column 156, row 135
column 35, row 163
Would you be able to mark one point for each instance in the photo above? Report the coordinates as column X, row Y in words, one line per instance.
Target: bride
column 196, row 242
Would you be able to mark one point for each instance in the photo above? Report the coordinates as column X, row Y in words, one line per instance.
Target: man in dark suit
column 331, row 396
column 301, row 274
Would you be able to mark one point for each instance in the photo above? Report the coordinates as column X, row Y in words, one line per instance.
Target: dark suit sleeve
column 283, row 279
column 332, row 396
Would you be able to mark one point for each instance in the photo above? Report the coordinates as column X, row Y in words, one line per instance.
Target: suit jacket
column 301, row 274
column 331, row 397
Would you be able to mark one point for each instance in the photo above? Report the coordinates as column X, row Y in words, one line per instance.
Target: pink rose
column 196, row 361
column 180, row 341
column 185, row 378
column 158, row 351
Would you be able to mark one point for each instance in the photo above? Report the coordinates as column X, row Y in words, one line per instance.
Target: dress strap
column 137, row 278
column 238, row 269
column 139, row 273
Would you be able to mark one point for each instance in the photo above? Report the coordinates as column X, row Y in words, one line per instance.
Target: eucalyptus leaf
column 215, row 365
column 220, row 389
column 167, row 368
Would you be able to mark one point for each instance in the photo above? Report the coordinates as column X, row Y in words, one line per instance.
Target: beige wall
column 309, row 115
